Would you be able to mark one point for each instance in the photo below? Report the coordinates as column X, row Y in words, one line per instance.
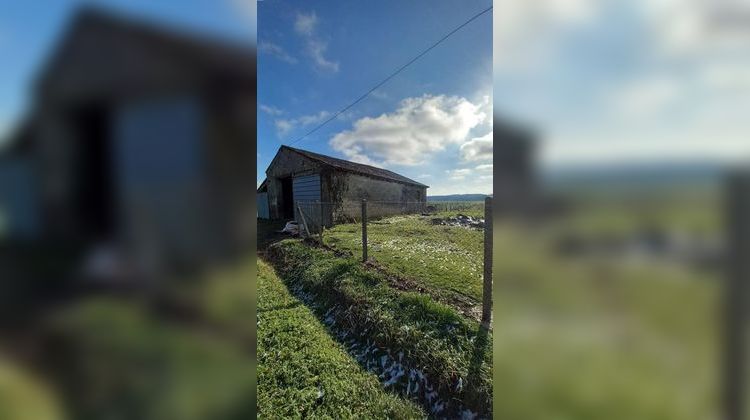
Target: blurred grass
column 580, row 338
column 114, row 360
column 24, row 396
column 121, row 356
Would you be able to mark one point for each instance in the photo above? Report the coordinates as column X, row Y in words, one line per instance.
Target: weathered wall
column 262, row 204
column 384, row 197
column 286, row 164
column 55, row 153
column 159, row 165
column 230, row 146
column 342, row 192
column 19, row 217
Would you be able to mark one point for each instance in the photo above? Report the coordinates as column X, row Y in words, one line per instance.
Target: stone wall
column 384, row 198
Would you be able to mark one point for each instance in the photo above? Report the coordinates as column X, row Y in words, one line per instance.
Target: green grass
column 469, row 208
column 582, row 338
column 447, row 260
column 24, row 396
column 304, row 372
column 114, row 360
column 408, row 331
column 692, row 211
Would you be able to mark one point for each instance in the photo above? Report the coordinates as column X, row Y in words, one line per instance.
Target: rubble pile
column 460, row 220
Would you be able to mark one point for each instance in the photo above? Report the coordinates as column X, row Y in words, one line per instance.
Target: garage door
column 306, row 188
column 306, row 192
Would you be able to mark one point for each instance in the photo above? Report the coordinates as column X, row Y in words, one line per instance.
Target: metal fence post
column 737, row 202
column 487, row 289
column 364, row 230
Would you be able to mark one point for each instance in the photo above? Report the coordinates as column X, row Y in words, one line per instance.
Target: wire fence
column 319, row 215
column 313, row 217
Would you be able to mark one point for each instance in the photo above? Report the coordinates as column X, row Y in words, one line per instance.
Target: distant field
column 445, row 259
column 303, row 371
column 691, row 210
column 587, row 338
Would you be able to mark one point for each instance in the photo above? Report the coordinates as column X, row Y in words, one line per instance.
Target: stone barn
column 142, row 136
column 330, row 189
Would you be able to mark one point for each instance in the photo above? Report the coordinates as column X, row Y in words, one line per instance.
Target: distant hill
column 654, row 175
column 458, row 197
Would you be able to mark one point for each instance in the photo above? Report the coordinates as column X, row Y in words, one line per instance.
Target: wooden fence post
column 487, row 289
column 737, row 202
column 364, row 230
column 320, row 221
column 302, row 216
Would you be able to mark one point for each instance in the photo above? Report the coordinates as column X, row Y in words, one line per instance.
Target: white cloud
column 645, row 96
column 522, row 29
column 477, row 149
column 248, row 10
column 286, row 125
column 699, row 27
column 484, row 168
column 283, row 127
column 317, row 48
column 420, row 127
column 276, row 51
column 423, row 176
column 305, row 25
column 314, row 119
column 689, row 145
column 728, row 76
column 458, row 174
column 680, row 65
column 270, row 110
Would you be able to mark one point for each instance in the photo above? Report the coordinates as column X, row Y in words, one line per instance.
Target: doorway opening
column 94, row 184
column 287, row 198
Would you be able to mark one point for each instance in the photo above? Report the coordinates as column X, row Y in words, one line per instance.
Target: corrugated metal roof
column 359, row 168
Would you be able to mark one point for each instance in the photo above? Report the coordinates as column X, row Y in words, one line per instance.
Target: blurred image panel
column 127, row 216
column 621, row 161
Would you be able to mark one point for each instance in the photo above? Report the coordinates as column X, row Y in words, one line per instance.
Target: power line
column 399, row 70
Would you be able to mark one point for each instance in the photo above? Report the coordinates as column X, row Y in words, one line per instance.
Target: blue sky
column 601, row 81
column 29, row 30
column 431, row 123
column 611, row 82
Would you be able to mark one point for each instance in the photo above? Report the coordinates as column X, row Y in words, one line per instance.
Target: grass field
column 304, row 372
column 447, row 260
column 117, row 360
column 577, row 338
column 122, row 357
column 24, row 396
column 586, row 338
column 421, row 349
